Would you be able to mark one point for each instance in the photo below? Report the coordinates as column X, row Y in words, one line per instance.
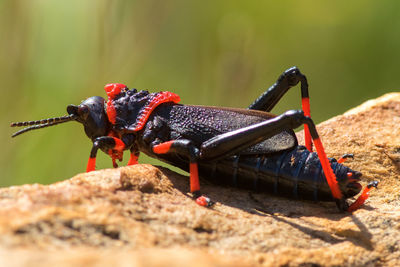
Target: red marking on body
column 305, row 102
column 163, row 147
column 330, row 176
column 162, row 97
column 119, row 145
column 112, row 90
column 360, row 200
column 91, row 165
column 133, row 159
column 349, row 175
column 194, row 178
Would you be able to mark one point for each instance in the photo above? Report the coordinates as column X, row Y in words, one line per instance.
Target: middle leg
column 186, row 148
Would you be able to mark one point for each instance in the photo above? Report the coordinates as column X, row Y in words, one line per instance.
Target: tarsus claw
column 364, row 196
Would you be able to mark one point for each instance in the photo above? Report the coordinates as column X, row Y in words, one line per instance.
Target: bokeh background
column 55, row 53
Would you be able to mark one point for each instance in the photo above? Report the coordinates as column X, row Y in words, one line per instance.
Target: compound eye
column 83, row 111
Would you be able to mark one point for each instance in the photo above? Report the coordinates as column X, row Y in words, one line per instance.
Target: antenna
column 33, row 125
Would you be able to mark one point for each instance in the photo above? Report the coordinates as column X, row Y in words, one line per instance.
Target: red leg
column 133, row 160
column 91, row 165
column 185, row 147
column 305, row 101
column 326, row 166
column 113, row 145
column 345, row 157
column 364, row 196
column 194, row 178
column 330, row 176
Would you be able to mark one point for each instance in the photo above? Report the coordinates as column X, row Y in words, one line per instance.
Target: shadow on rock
column 288, row 211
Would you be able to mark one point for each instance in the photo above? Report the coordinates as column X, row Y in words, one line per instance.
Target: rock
column 142, row 215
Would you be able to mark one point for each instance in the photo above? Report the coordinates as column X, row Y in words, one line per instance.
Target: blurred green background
column 55, row 53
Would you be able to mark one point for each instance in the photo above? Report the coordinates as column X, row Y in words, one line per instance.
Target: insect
column 248, row 148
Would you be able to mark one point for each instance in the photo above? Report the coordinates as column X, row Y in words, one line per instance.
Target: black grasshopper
column 248, row 148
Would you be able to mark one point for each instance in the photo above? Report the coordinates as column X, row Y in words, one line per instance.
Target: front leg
column 105, row 143
column 186, row 148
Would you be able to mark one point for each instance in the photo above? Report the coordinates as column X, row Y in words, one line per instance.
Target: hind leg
column 288, row 79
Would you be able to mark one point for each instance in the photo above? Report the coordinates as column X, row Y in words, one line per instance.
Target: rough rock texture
column 142, row 215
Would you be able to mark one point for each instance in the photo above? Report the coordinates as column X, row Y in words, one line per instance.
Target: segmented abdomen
column 296, row 173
